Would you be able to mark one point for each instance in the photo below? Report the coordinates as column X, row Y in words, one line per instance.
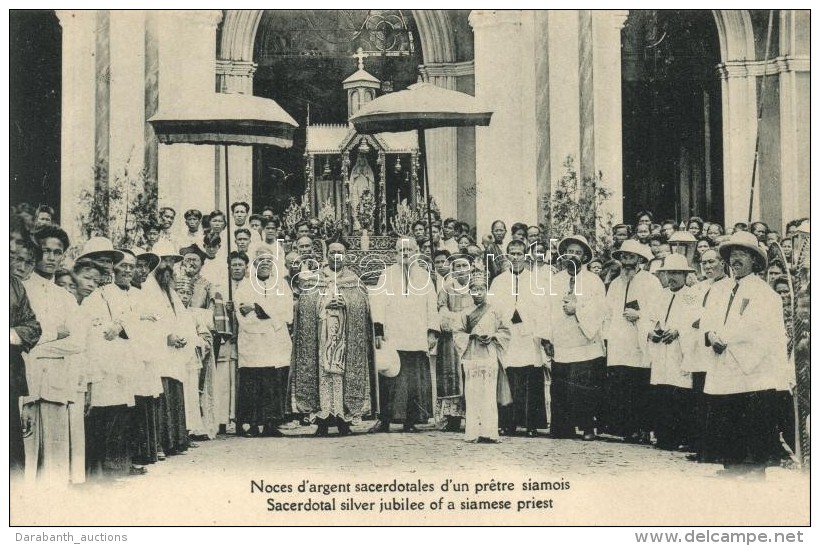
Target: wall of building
column 527, row 65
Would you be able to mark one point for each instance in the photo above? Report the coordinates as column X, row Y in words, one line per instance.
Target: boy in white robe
column 482, row 337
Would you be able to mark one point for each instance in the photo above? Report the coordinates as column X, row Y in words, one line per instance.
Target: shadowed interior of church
column 303, row 57
column 34, row 107
column 672, row 145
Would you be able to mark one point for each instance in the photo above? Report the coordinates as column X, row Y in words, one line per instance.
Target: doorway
column 672, row 114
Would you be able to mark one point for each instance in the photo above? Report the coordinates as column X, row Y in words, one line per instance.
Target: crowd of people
column 121, row 357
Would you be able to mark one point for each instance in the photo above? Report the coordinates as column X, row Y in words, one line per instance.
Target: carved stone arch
column 239, row 29
column 735, row 34
column 739, row 97
column 436, row 35
column 234, row 54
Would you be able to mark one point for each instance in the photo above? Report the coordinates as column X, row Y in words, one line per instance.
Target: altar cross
column 361, row 56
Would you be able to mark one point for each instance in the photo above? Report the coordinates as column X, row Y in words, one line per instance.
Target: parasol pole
column 228, row 218
column 760, row 115
column 424, row 174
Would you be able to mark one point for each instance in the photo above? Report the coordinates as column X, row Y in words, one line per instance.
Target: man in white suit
column 745, row 330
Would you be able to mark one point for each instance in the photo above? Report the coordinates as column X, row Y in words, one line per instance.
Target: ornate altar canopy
column 360, row 178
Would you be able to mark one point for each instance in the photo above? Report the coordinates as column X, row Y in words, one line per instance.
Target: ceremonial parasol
column 226, row 119
column 421, row 106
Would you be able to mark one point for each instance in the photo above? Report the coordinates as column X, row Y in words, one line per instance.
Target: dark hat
column 194, row 249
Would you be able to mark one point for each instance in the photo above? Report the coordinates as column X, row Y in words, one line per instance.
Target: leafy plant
column 579, row 209
column 118, row 208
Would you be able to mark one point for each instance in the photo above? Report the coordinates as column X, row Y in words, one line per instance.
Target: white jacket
column 533, row 306
column 676, row 311
column 752, row 327
column 627, row 341
column 577, row 338
column 697, row 356
column 264, row 342
column 53, row 366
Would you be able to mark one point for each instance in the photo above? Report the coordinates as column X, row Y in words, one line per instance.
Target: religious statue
column 361, row 179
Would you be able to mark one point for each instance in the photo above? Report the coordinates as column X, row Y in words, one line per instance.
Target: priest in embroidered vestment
column 333, row 373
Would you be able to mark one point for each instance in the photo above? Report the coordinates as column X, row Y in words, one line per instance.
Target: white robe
column 697, row 357
column 116, row 365
column 677, row 311
column 627, row 341
column 406, row 312
column 480, row 364
column 264, row 343
column 170, row 361
column 533, row 306
column 577, row 338
column 53, row 367
column 193, row 413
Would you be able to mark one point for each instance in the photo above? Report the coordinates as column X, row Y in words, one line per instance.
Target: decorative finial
column 360, row 55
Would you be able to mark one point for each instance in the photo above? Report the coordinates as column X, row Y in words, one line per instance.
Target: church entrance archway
column 673, row 162
column 302, row 58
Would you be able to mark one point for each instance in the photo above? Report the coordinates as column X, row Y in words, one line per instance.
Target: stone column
column 564, row 94
column 505, row 151
column 739, row 96
column 543, row 173
column 236, row 77
column 186, row 43
column 795, row 100
column 78, row 114
column 608, row 135
column 442, row 146
column 126, row 114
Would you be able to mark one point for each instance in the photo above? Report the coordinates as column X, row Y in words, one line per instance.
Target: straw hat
column 579, row 240
column 676, row 262
column 99, row 247
column 142, row 254
column 745, row 241
column 633, row 247
column 682, row 237
column 164, row 249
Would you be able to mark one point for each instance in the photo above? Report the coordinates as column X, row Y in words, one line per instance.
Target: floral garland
column 366, row 210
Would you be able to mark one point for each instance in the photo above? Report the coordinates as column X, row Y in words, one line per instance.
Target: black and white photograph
column 409, row 267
